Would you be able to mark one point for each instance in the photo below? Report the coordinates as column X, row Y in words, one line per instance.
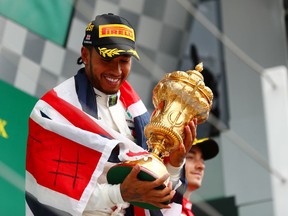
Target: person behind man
column 87, row 124
column 202, row 149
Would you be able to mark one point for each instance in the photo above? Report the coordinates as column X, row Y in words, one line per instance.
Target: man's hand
column 177, row 157
column 135, row 190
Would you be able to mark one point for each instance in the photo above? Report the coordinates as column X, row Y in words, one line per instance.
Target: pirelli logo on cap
column 116, row 30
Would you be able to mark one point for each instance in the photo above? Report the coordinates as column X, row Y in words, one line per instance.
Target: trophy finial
column 199, row 67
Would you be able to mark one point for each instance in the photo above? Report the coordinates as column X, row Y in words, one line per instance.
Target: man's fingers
column 163, row 201
column 193, row 128
column 190, row 134
column 133, row 189
column 165, row 194
column 134, row 172
column 160, row 181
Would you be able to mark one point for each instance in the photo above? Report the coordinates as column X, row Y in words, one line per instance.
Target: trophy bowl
column 178, row 98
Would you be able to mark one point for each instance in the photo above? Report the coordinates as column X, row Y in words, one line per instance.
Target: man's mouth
column 113, row 81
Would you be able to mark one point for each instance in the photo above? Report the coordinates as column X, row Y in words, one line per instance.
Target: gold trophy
column 178, row 98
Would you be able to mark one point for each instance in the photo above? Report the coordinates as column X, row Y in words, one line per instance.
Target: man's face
column 194, row 168
column 106, row 75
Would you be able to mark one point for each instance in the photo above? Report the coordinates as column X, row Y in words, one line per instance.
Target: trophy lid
column 189, row 86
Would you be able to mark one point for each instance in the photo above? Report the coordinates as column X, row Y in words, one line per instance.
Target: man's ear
column 85, row 54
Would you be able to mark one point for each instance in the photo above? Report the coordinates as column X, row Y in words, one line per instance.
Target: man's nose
column 117, row 70
column 200, row 164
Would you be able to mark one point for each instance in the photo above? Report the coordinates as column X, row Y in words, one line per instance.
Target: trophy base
column 151, row 168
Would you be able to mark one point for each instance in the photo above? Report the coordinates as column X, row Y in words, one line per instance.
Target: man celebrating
column 87, row 124
column 202, row 149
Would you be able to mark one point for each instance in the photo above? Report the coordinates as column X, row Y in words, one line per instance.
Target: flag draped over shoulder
column 68, row 148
